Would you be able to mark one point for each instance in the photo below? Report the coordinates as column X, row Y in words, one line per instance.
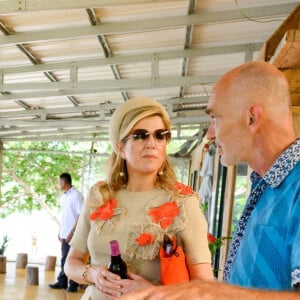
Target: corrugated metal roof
column 66, row 65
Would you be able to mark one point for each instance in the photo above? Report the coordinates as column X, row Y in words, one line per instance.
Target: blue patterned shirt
column 265, row 252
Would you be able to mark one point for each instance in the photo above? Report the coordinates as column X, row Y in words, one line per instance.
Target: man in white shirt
column 71, row 204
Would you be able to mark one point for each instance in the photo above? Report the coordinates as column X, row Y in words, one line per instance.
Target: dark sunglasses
column 142, row 135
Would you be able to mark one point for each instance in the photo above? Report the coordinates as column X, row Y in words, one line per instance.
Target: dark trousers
column 62, row 278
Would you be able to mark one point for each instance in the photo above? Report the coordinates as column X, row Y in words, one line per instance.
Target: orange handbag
column 173, row 268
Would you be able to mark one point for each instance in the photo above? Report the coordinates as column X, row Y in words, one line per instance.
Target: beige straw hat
column 122, row 110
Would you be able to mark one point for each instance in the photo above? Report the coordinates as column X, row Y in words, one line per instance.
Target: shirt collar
column 69, row 190
column 282, row 166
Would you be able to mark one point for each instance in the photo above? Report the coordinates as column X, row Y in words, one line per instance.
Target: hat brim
column 122, row 110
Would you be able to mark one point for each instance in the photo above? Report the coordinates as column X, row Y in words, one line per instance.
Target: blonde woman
column 139, row 203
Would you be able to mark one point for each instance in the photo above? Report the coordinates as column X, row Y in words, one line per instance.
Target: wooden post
column 1, row 162
column 50, row 263
column 227, row 215
column 22, row 259
column 32, row 275
column 2, row 264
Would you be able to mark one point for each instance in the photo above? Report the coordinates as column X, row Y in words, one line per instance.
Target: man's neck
column 268, row 152
column 67, row 188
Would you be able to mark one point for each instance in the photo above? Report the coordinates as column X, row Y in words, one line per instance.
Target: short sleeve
column 194, row 236
column 294, row 242
column 79, row 240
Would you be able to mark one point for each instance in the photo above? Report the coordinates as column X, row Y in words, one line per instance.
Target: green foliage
column 4, row 244
column 239, row 200
column 204, row 207
column 217, row 244
column 40, row 171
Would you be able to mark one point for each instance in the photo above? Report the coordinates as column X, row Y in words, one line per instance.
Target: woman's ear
column 255, row 117
column 120, row 149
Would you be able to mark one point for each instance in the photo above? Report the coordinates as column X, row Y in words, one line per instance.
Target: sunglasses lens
column 140, row 135
column 163, row 135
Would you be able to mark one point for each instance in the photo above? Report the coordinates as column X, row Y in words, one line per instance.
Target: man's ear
column 255, row 117
column 120, row 149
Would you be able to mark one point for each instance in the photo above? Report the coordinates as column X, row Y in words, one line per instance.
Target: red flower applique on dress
column 145, row 239
column 183, row 189
column 164, row 215
column 105, row 211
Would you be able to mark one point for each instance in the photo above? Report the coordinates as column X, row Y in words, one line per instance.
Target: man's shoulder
column 75, row 192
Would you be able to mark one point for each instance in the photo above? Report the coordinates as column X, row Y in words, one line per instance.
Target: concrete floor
column 13, row 286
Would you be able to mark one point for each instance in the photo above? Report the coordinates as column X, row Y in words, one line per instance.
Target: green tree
column 30, row 179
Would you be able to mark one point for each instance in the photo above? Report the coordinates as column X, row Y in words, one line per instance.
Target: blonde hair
column 117, row 165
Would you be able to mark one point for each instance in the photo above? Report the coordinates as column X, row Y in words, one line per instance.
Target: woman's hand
column 106, row 282
column 134, row 283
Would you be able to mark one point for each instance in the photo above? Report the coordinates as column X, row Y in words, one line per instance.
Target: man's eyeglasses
column 141, row 135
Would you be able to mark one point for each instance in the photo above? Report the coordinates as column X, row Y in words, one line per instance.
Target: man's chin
column 226, row 162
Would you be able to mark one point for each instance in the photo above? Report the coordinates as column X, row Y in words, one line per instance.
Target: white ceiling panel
column 142, row 11
column 145, row 42
column 73, row 49
column 44, row 20
column 11, row 56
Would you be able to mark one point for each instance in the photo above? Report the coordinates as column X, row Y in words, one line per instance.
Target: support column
column 227, row 216
column 1, row 163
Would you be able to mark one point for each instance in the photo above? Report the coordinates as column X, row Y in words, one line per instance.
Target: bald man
column 251, row 122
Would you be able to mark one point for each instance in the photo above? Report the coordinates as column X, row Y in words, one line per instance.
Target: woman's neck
column 140, row 183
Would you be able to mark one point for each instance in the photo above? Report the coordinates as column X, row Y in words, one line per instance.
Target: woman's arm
column 77, row 269
column 194, row 241
column 201, row 271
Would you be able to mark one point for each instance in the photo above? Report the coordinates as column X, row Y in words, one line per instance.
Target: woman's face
column 145, row 156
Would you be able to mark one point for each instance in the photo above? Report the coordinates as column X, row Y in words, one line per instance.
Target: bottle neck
column 114, row 248
column 115, row 258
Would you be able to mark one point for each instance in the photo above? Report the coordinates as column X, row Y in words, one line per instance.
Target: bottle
column 117, row 265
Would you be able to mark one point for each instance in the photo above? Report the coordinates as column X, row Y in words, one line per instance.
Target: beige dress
column 138, row 220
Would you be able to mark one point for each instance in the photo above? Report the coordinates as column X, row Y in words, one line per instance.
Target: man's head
column 65, row 181
column 248, row 105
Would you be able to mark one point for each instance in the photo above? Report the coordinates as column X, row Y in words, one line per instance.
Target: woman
column 137, row 205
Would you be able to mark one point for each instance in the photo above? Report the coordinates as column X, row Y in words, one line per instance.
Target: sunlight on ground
column 35, row 234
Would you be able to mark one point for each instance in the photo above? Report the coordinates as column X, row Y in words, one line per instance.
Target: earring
column 161, row 172
column 122, row 174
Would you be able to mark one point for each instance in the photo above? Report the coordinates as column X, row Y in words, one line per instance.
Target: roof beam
column 260, row 12
column 35, row 61
column 111, row 84
column 12, row 6
column 52, row 131
column 56, row 89
column 127, row 59
column 94, row 108
column 188, row 42
column 105, row 47
column 80, row 122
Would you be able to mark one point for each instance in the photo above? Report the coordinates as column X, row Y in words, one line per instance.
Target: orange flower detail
column 164, row 214
column 145, row 239
column 183, row 189
column 105, row 211
column 211, row 238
